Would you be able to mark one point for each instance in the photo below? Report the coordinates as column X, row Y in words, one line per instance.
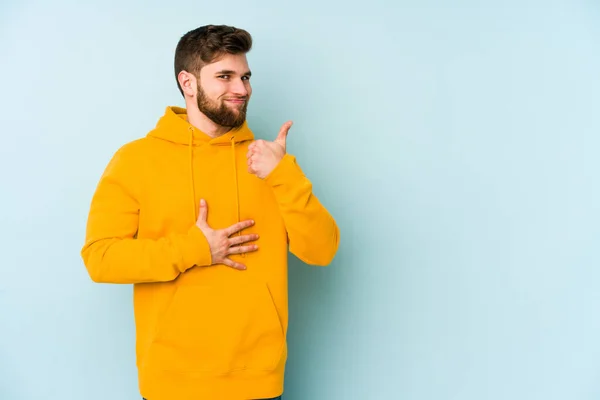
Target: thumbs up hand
column 263, row 156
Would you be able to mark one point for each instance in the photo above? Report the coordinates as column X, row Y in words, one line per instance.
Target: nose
column 239, row 88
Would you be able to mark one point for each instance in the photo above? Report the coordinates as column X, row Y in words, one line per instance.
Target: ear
column 188, row 83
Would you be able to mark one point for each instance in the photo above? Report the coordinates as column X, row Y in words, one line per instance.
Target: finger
column 242, row 249
column 234, row 264
column 251, row 168
column 283, row 132
column 203, row 211
column 242, row 239
column 238, row 227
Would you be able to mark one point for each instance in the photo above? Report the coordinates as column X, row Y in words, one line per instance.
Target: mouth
column 236, row 101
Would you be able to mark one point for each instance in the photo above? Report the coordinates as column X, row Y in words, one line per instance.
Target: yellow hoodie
column 203, row 332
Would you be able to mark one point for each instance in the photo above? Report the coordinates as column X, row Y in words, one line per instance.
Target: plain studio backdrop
column 457, row 145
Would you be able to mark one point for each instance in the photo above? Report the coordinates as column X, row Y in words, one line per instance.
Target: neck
column 198, row 120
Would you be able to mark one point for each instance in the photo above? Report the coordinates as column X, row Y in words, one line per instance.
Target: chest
column 175, row 183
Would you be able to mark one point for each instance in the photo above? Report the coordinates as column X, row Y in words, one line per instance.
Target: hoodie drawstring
column 237, row 192
column 192, row 188
column 237, row 195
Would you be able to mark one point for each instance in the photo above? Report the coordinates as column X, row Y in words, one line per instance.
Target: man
column 199, row 217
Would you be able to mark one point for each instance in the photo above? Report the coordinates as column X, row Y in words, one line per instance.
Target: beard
column 220, row 113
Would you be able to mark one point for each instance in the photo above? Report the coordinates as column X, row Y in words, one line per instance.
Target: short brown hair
column 206, row 44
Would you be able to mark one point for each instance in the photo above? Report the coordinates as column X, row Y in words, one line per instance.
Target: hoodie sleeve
column 312, row 232
column 112, row 253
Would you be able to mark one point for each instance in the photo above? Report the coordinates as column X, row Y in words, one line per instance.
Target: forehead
column 231, row 62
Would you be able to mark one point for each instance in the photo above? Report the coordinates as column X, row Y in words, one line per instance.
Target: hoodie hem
column 241, row 385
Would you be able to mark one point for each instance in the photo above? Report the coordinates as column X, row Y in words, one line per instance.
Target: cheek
column 215, row 90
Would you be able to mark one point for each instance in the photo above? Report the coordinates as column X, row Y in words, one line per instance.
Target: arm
column 313, row 233
column 113, row 254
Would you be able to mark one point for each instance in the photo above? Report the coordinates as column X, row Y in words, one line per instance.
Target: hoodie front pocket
column 218, row 330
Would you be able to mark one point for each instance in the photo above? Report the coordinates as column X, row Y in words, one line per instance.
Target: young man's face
column 224, row 90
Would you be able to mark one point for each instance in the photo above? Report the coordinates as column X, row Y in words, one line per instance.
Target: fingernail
column 202, row 202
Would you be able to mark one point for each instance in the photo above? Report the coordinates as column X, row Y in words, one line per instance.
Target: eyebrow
column 230, row 72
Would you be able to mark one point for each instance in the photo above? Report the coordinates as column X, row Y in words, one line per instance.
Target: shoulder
column 133, row 148
column 128, row 158
column 132, row 152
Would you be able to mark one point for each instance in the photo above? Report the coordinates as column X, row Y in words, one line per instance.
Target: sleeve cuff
column 196, row 250
column 285, row 171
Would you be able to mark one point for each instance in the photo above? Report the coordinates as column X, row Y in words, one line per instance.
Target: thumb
column 283, row 132
column 203, row 212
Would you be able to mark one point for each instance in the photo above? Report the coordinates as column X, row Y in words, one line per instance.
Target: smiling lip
column 236, row 101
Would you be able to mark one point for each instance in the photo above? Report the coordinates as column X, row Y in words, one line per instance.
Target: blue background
column 456, row 145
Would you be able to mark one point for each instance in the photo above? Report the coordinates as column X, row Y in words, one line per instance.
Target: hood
column 174, row 127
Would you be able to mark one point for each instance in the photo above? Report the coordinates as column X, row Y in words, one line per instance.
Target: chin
column 236, row 108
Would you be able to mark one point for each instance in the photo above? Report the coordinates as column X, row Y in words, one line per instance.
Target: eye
column 245, row 78
column 223, row 76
